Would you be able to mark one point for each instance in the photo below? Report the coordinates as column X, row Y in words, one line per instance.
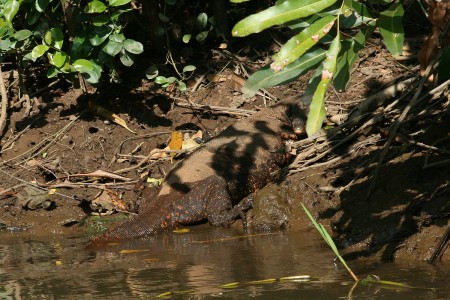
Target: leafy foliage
column 320, row 23
column 88, row 37
column 81, row 38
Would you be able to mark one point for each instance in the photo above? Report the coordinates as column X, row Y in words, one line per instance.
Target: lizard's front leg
column 219, row 207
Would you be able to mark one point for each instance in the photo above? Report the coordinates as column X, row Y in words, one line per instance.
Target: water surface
column 206, row 263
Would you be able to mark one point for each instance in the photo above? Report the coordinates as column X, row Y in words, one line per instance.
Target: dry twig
column 218, row 109
column 4, row 103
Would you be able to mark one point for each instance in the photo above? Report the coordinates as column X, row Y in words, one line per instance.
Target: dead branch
column 4, row 103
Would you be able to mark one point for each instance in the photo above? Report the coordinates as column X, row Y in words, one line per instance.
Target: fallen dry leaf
column 182, row 230
column 129, row 251
column 176, row 141
column 151, row 259
column 197, row 135
column 107, row 202
column 101, row 174
column 216, row 78
column 107, row 114
column 189, row 143
column 154, row 181
column 33, row 198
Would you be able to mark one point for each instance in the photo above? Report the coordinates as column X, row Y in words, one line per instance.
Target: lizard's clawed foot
column 245, row 205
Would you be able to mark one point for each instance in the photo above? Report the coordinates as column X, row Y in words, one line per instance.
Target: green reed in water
column 370, row 279
column 323, row 232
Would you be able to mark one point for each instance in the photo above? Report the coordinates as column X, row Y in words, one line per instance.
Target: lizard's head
column 299, row 126
column 297, row 115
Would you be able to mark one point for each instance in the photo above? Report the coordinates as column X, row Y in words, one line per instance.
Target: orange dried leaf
column 176, row 141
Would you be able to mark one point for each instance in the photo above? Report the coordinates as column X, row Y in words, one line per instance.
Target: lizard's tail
column 138, row 227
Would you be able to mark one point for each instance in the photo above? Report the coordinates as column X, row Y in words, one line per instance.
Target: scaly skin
column 209, row 183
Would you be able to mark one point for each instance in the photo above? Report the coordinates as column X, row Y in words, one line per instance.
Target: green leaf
column 83, row 65
column 117, row 37
column 118, row 2
column 165, row 81
column 40, row 29
column 116, row 13
column 99, row 35
column 161, row 80
column 151, row 72
column 182, row 86
column 41, row 5
column 283, row 12
column 95, row 6
column 133, row 46
column 189, row 68
column 391, row 28
column 127, row 58
column 6, row 30
column 10, row 10
column 113, row 47
column 238, row 1
column 32, row 16
column 187, row 38
column 67, row 68
column 267, row 77
column 171, row 80
column 201, row 36
column 50, row 58
column 52, row 72
column 202, row 20
column 317, row 108
column 106, row 60
column 38, row 51
column 379, row 1
column 25, row 58
column 54, row 37
column 100, row 20
column 302, row 23
column 94, row 76
column 302, row 42
column 80, row 47
column 171, row 2
column 349, row 54
column 90, row 70
column 359, row 14
column 347, row 8
column 22, row 34
column 5, row 45
column 163, row 18
column 59, row 59
column 362, row 10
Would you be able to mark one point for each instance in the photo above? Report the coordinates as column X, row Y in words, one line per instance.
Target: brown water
column 195, row 265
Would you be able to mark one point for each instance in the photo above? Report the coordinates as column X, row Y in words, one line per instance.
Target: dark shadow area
column 404, row 214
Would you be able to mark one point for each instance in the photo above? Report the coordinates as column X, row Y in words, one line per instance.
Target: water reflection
column 200, row 262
